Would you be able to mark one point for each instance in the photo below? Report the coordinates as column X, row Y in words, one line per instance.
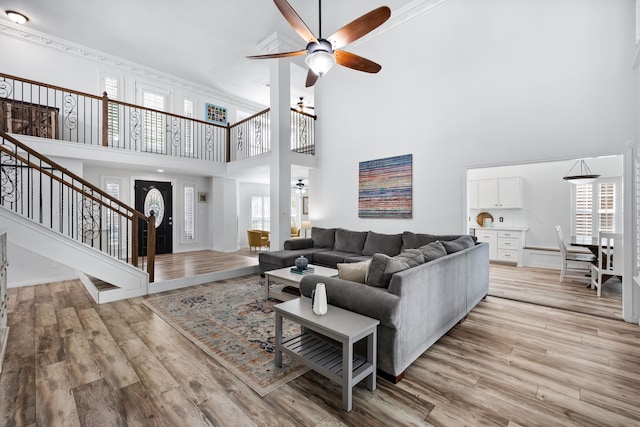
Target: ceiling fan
column 323, row 53
column 300, row 105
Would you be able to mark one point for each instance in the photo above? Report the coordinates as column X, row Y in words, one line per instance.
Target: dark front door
column 155, row 196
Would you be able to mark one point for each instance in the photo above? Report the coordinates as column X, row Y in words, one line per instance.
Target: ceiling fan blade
column 359, row 27
column 295, row 21
column 357, row 62
column 312, row 78
column 279, row 55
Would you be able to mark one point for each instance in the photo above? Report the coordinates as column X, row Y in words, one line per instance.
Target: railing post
column 228, row 145
column 105, row 119
column 151, row 246
column 134, row 240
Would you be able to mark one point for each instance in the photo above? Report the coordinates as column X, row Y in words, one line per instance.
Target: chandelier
column 584, row 177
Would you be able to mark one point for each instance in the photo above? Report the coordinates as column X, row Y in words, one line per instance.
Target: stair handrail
column 132, row 214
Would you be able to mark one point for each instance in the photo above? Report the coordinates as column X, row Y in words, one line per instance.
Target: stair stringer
column 83, row 258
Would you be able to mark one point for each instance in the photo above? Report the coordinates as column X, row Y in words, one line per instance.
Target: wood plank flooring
column 71, row 362
column 187, row 264
column 543, row 287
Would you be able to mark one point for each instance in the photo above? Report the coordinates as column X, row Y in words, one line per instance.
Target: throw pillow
column 383, row 266
column 323, row 237
column 350, row 241
column 376, row 243
column 354, row 271
column 432, row 251
column 462, row 242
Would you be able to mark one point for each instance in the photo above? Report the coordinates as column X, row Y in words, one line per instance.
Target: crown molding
column 43, row 40
column 414, row 10
column 277, row 43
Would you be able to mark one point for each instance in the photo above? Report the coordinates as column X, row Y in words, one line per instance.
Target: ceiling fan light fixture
column 320, row 62
column 16, row 17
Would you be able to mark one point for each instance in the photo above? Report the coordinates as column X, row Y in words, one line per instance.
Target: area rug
column 235, row 325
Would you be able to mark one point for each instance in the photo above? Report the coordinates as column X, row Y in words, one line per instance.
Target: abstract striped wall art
column 386, row 188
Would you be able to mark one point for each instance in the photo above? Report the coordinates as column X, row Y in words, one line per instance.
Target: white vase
column 320, row 300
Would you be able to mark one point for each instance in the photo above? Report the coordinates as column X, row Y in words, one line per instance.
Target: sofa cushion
column 350, row 241
column 353, row 271
column 376, row 243
column 462, row 242
column 331, row 258
column 287, row 258
column 383, row 266
column 323, row 237
column 294, row 244
column 432, row 251
column 412, row 240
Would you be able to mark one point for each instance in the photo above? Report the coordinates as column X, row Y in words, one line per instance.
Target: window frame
column 183, row 233
column 595, row 206
column 266, row 212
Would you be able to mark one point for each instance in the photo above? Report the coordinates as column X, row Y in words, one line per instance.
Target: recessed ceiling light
column 16, row 17
column 160, row 170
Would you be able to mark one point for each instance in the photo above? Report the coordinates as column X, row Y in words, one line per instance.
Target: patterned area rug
column 234, row 324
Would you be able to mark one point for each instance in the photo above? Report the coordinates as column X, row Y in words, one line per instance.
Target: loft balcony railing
column 41, row 190
column 38, row 109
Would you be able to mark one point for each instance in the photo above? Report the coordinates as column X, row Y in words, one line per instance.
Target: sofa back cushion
column 350, row 241
column 412, row 240
column 376, row 243
column 432, row 251
column 383, row 266
column 323, row 237
column 462, row 242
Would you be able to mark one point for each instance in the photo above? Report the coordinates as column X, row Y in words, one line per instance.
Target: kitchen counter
column 497, row 227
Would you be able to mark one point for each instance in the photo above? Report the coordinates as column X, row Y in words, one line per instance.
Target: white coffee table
column 318, row 349
column 285, row 277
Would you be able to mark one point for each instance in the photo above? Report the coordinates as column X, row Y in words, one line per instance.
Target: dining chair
column 610, row 259
column 574, row 257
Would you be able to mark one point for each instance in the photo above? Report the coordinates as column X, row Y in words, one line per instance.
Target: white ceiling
column 204, row 42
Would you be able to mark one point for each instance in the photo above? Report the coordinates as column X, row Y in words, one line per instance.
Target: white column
column 280, row 161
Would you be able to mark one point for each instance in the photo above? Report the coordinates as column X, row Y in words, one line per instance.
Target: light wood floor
column 187, row 264
column 71, row 362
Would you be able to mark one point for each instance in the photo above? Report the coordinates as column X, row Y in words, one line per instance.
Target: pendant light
column 584, row 177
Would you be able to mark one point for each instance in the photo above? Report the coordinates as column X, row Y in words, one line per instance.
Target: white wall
column 27, row 268
column 475, row 84
column 547, row 197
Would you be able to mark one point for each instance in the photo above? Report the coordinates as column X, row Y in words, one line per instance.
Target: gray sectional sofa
column 418, row 285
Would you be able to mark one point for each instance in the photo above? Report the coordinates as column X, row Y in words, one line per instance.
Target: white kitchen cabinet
column 505, row 245
column 501, row 193
column 472, row 191
column 491, row 237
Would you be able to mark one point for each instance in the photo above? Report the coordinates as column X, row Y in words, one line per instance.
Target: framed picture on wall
column 305, row 205
column 215, row 114
column 202, row 197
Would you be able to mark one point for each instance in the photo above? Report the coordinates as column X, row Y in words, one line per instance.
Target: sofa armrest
column 357, row 297
column 294, row 244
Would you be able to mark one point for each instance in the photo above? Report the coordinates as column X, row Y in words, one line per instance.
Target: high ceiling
column 204, row 42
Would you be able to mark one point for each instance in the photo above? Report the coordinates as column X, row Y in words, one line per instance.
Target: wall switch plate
column 501, row 219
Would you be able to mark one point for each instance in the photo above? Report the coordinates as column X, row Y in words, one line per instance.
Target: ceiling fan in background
column 323, row 53
column 300, row 105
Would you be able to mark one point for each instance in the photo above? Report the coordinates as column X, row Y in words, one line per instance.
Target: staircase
column 56, row 214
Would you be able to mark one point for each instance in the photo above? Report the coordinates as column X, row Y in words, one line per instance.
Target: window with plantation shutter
column 112, row 188
column 112, row 88
column 597, row 207
column 189, row 212
column 188, row 127
column 607, row 207
column 154, row 122
column 260, row 213
column 583, row 208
